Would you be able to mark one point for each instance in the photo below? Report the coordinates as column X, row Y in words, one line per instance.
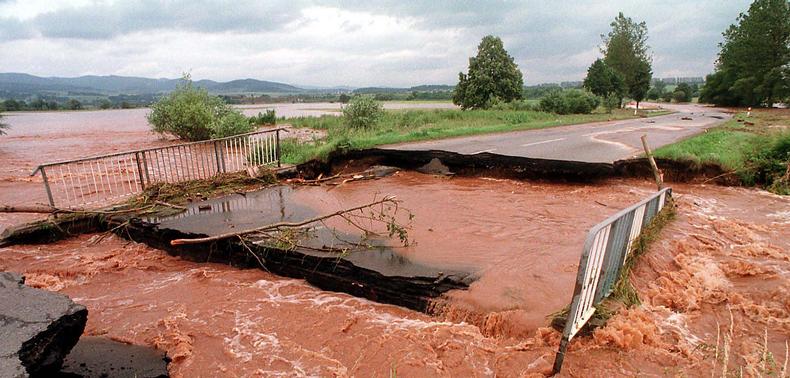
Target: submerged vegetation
column 184, row 192
column 755, row 148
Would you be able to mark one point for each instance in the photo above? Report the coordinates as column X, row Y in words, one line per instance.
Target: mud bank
column 522, row 168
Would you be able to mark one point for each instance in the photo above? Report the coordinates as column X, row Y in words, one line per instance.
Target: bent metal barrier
column 605, row 252
column 99, row 180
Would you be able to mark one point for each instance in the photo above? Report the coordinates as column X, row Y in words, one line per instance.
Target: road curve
column 590, row 142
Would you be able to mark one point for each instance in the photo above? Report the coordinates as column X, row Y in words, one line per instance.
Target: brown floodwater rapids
column 726, row 252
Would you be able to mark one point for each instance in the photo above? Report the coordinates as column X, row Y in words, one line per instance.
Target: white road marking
column 541, row 142
column 480, row 152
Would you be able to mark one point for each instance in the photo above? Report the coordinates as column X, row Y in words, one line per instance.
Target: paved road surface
column 592, row 142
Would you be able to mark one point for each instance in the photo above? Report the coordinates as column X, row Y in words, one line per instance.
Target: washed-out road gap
column 600, row 142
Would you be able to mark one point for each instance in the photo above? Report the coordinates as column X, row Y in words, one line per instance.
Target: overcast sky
column 357, row 43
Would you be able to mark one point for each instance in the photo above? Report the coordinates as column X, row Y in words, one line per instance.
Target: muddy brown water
column 728, row 247
column 39, row 137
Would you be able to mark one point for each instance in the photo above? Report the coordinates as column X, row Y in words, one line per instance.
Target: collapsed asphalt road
column 598, row 142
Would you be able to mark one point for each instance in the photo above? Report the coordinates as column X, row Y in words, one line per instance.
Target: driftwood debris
column 284, row 225
column 45, row 209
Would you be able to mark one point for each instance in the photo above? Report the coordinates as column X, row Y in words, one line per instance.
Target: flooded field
column 726, row 251
column 39, row 137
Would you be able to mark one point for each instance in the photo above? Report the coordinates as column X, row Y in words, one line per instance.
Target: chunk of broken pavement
column 38, row 328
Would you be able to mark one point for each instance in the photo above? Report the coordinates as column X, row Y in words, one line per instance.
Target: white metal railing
column 99, row 180
column 606, row 250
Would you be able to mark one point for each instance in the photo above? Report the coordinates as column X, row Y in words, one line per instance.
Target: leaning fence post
column 46, row 186
column 653, row 166
column 277, row 145
column 216, row 156
column 139, row 170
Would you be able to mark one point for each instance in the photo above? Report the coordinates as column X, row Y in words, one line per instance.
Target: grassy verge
column 756, row 148
column 398, row 126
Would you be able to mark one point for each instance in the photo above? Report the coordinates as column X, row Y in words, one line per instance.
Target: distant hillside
column 25, row 84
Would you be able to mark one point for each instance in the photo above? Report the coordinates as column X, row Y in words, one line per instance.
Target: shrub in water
column 191, row 113
column 362, row 112
column 268, row 118
column 569, row 101
column 229, row 124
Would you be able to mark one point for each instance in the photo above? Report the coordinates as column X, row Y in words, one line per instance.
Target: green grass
column 726, row 145
column 756, row 152
column 398, row 126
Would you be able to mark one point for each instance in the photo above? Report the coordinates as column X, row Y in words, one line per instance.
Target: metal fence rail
column 605, row 251
column 100, row 180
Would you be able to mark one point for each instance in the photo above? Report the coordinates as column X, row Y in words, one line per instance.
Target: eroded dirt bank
column 727, row 246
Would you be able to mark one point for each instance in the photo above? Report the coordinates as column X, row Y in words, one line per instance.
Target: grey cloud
column 550, row 40
column 103, row 21
column 12, row 28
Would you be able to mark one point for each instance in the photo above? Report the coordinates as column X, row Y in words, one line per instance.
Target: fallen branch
column 44, row 209
column 279, row 225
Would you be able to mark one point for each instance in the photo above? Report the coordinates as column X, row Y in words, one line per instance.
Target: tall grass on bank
column 755, row 148
column 416, row 125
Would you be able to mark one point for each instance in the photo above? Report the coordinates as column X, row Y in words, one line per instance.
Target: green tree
column 344, row 98
column 754, row 62
column 363, row 112
column 625, row 49
column 38, row 104
column 191, row 113
column 492, row 74
column 105, row 104
column 683, row 93
column 12, row 105
column 74, row 104
column 640, row 82
column 603, row 81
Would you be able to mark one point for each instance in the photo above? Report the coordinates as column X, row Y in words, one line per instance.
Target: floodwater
column 728, row 247
column 39, row 137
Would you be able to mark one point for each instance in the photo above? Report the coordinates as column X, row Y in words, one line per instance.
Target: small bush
column 362, row 112
column 612, row 101
column 193, row 114
column 771, row 166
column 229, row 124
column 268, row 118
column 517, row 105
column 681, row 96
column 571, row 101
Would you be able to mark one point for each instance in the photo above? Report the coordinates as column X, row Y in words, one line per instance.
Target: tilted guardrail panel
column 605, row 252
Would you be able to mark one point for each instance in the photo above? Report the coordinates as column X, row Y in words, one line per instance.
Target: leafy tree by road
column 193, row 114
column 492, row 75
column 754, row 62
column 625, row 49
column 603, row 80
column 637, row 90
